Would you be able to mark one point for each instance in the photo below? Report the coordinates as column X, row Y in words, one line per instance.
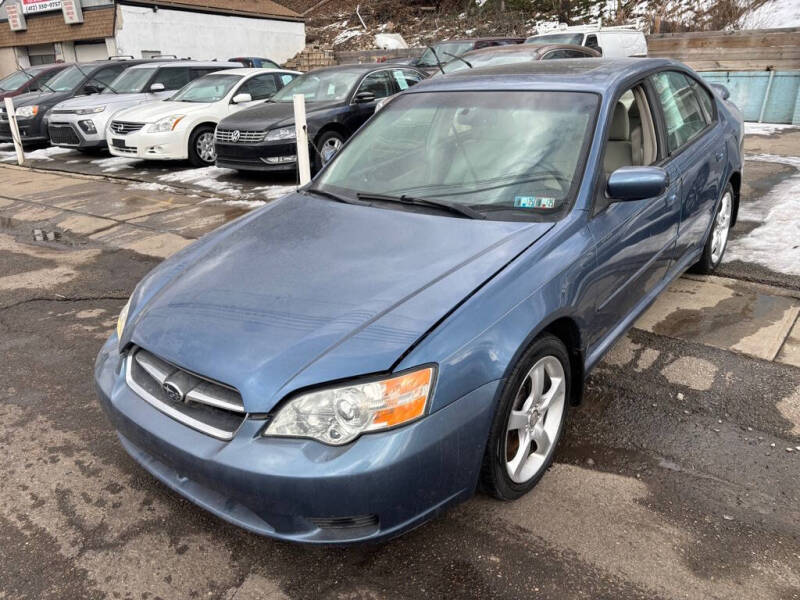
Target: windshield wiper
column 462, row 59
column 436, row 56
column 332, row 196
column 459, row 209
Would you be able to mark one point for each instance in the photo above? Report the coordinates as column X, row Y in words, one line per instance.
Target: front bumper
column 67, row 130
column 148, row 146
column 256, row 157
column 30, row 131
column 301, row 490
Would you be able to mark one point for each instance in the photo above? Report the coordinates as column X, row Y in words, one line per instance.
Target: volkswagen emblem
column 174, row 394
column 235, row 135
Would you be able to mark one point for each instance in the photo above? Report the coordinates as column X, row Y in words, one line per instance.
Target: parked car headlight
column 26, row 112
column 166, row 124
column 339, row 415
column 90, row 111
column 284, row 133
column 123, row 318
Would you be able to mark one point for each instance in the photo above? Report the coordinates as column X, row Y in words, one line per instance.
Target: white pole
column 303, row 162
column 12, row 123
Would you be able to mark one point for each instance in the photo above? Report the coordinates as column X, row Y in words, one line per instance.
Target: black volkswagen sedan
column 79, row 79
column 338, row 101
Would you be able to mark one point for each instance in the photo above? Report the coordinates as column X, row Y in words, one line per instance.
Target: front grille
column 244, row 137
column 62, row 111
column 370, row 521
column 125, row 127
column 63, row 134
column 212, row 408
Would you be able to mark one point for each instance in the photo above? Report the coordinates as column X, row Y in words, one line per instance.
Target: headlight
column 123, row 318
column 166, row 124
column 339, row 415
column 284, row 133
column 26, row 112
column 90, row 111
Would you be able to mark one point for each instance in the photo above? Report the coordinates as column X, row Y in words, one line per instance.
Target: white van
column 611, row 42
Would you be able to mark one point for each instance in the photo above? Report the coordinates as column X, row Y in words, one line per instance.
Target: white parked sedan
column 182, row 127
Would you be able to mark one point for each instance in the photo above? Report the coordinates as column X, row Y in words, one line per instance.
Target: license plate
column 118, row 143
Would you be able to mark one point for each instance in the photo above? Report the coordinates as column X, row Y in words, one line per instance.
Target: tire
column 199, row 153
column 717, row 241
column 509, row 471
column 330, row 140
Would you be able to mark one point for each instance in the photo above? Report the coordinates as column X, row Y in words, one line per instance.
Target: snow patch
column 772, row 14
column 766, row 128
column 346, row 35
column 115, row 163
column 775, row 243
column 44, row 154
column 272, row 192
column 207, row 178
column 151, row 186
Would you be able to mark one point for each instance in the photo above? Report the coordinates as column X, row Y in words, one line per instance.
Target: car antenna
column 436, row 56
column 461, row 58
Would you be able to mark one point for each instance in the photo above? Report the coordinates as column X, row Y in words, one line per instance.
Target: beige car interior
column 632, row 137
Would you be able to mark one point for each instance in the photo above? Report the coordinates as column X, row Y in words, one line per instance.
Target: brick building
column 44, row 31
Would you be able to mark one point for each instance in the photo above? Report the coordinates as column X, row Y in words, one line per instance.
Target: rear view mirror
column 242, row 98
column 157, row 87
column 721, row 90
column 91, row 88
column 637, row 183
column 364, row 97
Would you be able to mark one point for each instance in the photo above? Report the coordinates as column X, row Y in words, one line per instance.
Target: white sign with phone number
column 37, row 6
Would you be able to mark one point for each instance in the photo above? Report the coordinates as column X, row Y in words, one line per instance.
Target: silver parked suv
column 81, row 122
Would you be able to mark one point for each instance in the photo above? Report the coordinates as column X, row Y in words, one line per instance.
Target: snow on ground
column 766, row 128
column 272, row 192
column 150, row 187
column 207, row 178
column 773, row 13
column 115, row 163
column 46, row 153
column 775, row 243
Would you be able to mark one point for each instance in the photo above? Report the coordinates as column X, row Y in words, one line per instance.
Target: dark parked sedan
column 77, row 79
column 441, row 52
column 28, row 80
column 506, row 55
column 338, row 101
column 349, row 360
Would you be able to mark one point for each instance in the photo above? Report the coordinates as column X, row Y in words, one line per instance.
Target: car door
column 634, row 239
column 380, row 84
column 695, row 154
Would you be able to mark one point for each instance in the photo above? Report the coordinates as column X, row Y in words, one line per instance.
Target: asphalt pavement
column 678, row 477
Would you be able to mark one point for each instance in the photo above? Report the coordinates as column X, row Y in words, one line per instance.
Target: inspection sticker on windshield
column 534, row 202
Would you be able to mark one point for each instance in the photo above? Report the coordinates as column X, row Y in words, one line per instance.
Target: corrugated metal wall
column 762, row 96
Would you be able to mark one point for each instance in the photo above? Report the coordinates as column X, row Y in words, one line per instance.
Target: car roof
column 584, row 74
column 530, row 49
column 251, row 71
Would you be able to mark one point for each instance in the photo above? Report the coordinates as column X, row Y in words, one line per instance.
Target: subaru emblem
column 173, row 393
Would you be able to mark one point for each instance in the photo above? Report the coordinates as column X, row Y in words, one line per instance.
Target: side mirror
column 721, row 90
column 91, row 88
column 242, row 98
column 637, row 183
column 364, row 97
column 157, row 87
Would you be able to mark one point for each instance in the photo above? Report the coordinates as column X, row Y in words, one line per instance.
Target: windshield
column 15, row 80
column 519, row 152
column 488, row 59
column 428, row 59
column 320, row 86
column 209, row 88
column 556, row 38
column 130, row 81
column 66, row 80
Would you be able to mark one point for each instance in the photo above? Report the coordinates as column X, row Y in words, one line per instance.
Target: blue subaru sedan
column 344, row 363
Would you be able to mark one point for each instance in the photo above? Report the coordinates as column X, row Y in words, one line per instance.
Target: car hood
column 104, row 100
column 308, row 290
column 158, row 109
column 46, row 98
column 271, row 114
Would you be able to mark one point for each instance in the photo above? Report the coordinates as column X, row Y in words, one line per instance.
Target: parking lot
column 677, row 476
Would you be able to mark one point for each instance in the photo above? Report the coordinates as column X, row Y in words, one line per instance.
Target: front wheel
column 202, row 152
column 328, row 144
column 529, row 420
column 717, row 240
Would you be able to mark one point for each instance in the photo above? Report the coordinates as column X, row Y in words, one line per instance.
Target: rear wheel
column 529, row 420
column 202, row 152
column 717, row 240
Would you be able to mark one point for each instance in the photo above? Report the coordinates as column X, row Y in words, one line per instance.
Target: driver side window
column 379, row 84
column 631, row 135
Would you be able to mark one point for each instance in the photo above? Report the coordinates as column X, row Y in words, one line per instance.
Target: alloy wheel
column 205, row 147
column 535, row 419
column 722, row 223
column 330, row 148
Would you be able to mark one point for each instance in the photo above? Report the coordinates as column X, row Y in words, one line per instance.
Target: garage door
column 87, row 52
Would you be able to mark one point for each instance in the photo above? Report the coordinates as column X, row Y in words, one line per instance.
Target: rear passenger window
column 683, row 115
column 706, row 101
column 173, row 78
